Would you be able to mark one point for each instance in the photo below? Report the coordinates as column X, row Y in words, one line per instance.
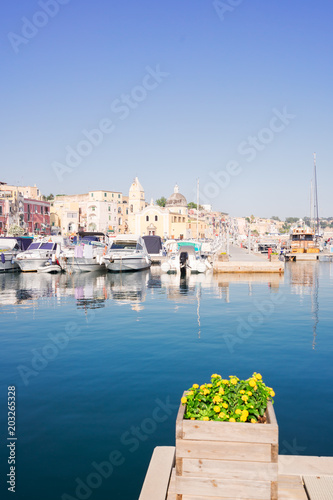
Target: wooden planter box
column 226, row 460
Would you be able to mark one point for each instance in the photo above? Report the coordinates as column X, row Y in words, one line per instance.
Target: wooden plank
column 248, row 452
column 317, row 487
column 230, row 431
column 180, row 420
column 157, row 479
column 223, row 488
column 230, row 470
column 172, row 486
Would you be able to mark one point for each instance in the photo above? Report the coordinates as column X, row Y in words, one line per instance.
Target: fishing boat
column 127, row 252
column 303, row 239
column 10, row 247
column 186, row 260
column 38, row 253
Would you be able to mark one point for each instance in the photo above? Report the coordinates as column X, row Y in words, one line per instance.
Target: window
column 41, row 210
column 112, row 195
column 0, row 209
column 131, row 208
column 126, row 211
column 147, row 218
column 118, row 195
column 156, row 218
column 183, row 219
column 109, row 217
column 105, row 195
column 109, row 208
column 92, row 195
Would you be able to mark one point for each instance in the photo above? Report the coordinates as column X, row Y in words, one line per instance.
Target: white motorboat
column 127, row 252
column 86, row 256
column 38, row 253
column 10, row 247
column 186, row 260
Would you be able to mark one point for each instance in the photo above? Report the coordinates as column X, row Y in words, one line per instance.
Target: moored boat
column 10, row 247
column 127, row 252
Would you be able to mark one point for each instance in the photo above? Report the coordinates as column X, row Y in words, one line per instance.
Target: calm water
column 100, row 361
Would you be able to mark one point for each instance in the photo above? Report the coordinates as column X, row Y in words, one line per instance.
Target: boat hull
column 82, row 265
column 127, row 264
column 31, row 265
column 8, row 265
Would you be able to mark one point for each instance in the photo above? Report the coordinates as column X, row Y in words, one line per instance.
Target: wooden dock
column 299, row 478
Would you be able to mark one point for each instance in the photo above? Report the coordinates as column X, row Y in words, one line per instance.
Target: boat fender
column 3, row 258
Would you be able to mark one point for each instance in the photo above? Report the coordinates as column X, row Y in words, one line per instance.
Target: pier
column 299, row 477
column 240, row 261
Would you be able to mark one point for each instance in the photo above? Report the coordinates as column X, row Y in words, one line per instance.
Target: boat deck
column 300, row 477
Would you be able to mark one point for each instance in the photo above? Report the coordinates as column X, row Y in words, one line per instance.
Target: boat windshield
column 47, row 246
column 298, row 237
column 124, row 245
column 34, row 246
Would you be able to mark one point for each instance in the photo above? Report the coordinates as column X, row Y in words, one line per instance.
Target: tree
column 275, row 217
column 292, row 220
column 285, row 228
column 50, row 197
column 161, row 201
column 193, row 205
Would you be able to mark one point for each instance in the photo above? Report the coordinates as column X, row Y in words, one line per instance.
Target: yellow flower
column 202, row 387
column 222, row 415
column 249, row 393
column 190, row 393
column 245, row 413
column 272, row 393
column 245, row 398
column 258, row 376
column 232, row 420
column 215, row 375
column 225, row 405
column 206, row 391
column 216, row 399
column 252, row 382
column 233, row 381
column 218, row 383
column 255, row 387
column 209, row 385
column 184, row 400
column 242, row 392
column 205, row 418
column 225, row 382
column 195, row 386
column 253, row 421
column 243, row 418
column 238, row 411
column 221, row 391
column 192, row 418
column 217, row 409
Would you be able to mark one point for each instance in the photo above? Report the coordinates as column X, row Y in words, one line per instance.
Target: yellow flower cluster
column 229, row 400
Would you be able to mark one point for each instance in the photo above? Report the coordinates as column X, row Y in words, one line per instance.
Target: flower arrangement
column 230, row 400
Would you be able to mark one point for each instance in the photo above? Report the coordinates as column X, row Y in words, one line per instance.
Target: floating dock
column 299, row 477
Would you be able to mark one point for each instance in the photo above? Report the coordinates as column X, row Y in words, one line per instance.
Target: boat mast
column 311, row 205
column 198, row 209
column 316, row 215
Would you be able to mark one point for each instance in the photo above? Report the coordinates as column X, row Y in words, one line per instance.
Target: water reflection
column 93, row 290
column 304, row 280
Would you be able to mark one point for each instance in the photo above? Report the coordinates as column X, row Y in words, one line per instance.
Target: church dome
column 176, row 199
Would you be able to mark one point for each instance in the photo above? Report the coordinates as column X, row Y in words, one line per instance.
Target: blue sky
column 223, row 79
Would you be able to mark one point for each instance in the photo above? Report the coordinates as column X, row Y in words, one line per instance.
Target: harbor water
column 100, row 361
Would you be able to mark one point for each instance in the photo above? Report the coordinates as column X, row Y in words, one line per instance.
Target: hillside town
column 24, row 210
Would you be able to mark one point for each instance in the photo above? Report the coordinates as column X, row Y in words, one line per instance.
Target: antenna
column 316, row 215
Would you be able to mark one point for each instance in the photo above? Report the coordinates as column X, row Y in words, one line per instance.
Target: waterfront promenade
column 240, row 261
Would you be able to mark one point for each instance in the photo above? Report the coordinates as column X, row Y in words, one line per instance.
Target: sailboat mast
column 311, row 205
column 198, row 209
column 316, row 213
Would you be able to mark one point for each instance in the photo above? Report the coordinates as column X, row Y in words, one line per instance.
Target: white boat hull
column 52, row 269
column 82, row 265
column 8, row 265
column 31, row 265
column 127, row 264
